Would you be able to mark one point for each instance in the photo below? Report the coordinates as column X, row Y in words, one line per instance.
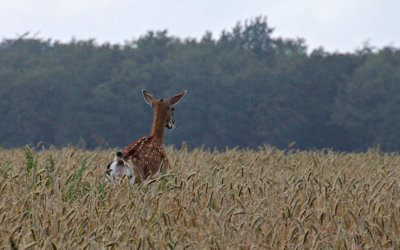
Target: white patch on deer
column 171, row 124
column 118, row 170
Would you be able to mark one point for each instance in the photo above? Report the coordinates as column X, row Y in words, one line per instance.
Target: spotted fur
column 146, row 156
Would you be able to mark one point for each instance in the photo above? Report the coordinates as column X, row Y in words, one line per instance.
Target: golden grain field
column 235, row 199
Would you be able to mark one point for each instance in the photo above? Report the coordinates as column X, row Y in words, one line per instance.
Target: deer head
column 163, row 111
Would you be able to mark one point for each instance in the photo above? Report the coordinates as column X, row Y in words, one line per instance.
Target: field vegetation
column 231, row 199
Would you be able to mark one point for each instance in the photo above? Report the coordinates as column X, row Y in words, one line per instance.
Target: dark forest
column 245, row 88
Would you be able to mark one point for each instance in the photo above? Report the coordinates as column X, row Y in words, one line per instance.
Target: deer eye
column 172, row 108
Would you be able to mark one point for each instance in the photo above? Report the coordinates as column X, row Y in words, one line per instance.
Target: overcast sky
column 336, row 25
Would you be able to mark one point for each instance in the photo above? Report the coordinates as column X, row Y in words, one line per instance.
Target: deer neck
column 157, row 128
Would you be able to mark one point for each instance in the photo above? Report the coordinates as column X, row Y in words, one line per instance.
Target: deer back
column 147, row 156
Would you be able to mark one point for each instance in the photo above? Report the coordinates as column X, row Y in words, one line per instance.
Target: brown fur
column 147, row 154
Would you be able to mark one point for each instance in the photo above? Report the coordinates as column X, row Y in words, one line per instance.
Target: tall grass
column 237, row 199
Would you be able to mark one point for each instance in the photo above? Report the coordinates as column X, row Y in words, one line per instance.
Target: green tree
column 370, row 102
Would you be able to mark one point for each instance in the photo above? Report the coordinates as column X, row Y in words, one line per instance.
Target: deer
column 146, row 156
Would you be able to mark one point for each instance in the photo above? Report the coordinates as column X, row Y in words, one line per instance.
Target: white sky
column 336, row 25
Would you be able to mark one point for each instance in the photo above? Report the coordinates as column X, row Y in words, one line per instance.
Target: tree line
column 245, row 88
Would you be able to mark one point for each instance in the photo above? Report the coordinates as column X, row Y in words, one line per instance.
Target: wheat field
column 231, row 199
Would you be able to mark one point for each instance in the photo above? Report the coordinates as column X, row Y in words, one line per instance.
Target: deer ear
column 176, row 98
column 147, row 96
